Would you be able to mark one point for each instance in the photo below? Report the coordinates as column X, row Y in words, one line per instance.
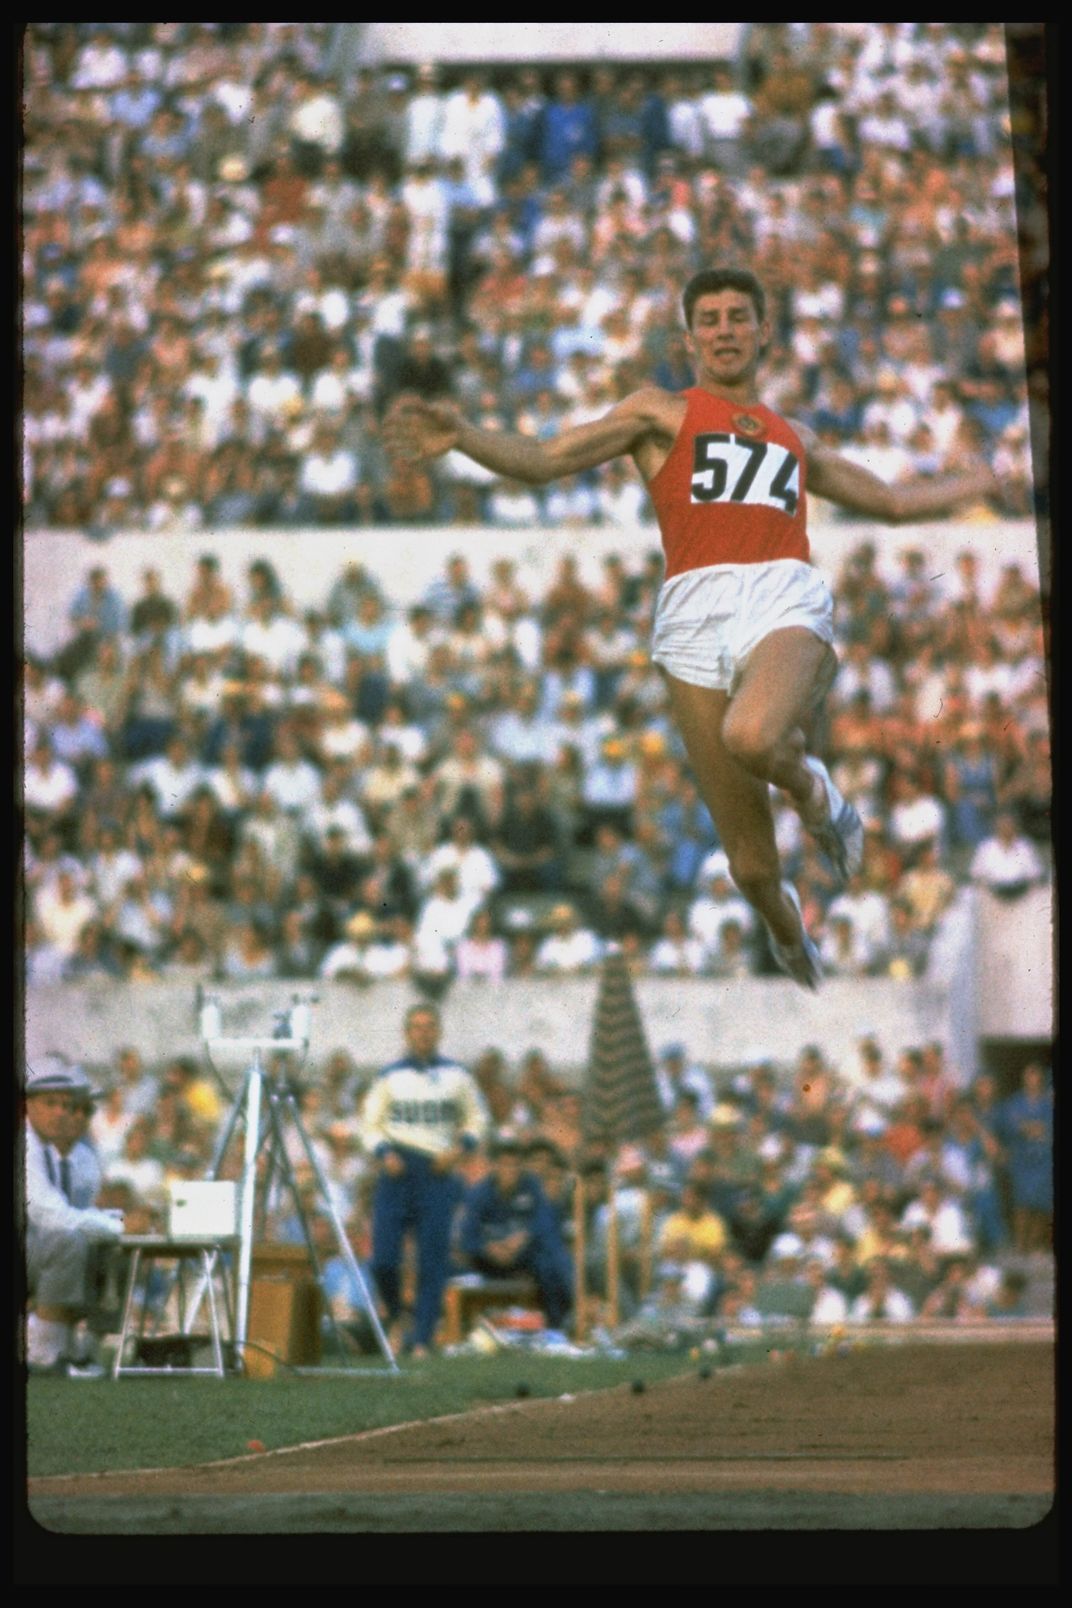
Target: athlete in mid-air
column 743, row 625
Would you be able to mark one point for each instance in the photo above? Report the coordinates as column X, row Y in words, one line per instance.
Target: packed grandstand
column 239, row 246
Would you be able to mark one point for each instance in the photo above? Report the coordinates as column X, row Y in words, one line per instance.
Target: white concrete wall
column 488, row 42
column 406, row 559
column 722, row 1024
column 1015, row 965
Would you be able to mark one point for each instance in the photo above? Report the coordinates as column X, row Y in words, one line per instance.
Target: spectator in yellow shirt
column 694, row 1233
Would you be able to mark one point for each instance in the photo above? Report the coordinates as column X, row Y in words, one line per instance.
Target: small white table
column 202, row 1256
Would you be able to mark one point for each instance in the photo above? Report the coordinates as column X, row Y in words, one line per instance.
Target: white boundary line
column 339, row 1440
column 898, row 1333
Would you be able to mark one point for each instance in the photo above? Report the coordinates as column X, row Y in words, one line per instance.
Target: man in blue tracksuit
column 509, row 1226
column 421, row 1115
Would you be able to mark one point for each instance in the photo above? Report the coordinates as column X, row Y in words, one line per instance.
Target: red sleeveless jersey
column 732, row 490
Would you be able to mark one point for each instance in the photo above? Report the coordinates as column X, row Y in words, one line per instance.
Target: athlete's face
column 727, row 337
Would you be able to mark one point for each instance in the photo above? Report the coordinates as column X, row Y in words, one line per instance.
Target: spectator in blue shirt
column 1026, row 1126
column 569, row 128
column 98, row 611
column 134, row 104
column 509, row 1227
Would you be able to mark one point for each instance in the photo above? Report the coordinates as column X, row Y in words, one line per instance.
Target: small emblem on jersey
column 747, row 423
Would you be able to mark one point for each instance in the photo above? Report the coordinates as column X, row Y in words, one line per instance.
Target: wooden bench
column 466, row 1298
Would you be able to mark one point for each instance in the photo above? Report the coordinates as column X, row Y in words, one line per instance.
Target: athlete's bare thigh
column 777, row 689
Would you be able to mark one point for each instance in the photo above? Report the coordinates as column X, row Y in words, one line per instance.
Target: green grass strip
column 79, row 1427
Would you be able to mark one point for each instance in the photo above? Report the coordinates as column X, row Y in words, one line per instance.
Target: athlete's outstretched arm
column 850, row 486
column 417, row 430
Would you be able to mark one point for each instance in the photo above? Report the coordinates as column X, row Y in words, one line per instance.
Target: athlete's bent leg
column 740, row 807
column 763, row 728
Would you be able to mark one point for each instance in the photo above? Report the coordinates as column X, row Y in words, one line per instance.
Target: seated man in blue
column 509, row 1227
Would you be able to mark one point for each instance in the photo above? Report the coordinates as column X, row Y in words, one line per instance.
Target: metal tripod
column 265, row 1104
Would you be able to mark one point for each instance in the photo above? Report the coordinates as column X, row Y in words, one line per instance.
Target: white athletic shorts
column 707, row 621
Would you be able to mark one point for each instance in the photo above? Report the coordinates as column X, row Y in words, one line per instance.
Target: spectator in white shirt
column 868, row 911
column 113, row 865
column 173, row 777
column 330, row 476
column 569, row 949
column 1008, row 863
column 725, row 115
column 425, row 200
column 844, row 951
column 423, row 119
column 621, row 500
column 477, row 873
column 409, row 645
column 470, row 779
column 335, row 808
column 144, row 1173
column 63, row 911
column 397, row 731
column 442, row 923
column 390, row 954
column 292, row 780
column 317, row 124
column 474, row 129
column 721, row 903
column 387, row 303
column 882, row 1301
column 874, row 1085
column 341, row 736
column 686, row 122
column 942, row 1216
column 142, row 918
column 49, row 787
column 233, row 784
column 274, row 394
column 916, row 817
column 214, row 380
column 213, row 630
column 830, row 1306
column 273, row 636
column 341, row 385
column 675, row 954
column 99, row 64
column 110, row 1124
column 346, row 959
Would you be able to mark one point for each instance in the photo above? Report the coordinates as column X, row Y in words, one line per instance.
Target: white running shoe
column 841, row 837
column 800, row 962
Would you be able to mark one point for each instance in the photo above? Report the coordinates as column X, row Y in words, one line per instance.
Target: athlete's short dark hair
column 709, row 281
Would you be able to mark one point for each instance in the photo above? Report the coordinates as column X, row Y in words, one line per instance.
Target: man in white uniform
column 62, row 1177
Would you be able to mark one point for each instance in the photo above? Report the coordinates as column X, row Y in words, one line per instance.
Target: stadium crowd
column 488, row 785
column 879, row 1190
column 238, row 249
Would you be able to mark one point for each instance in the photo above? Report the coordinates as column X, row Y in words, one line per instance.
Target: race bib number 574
column 730, row 468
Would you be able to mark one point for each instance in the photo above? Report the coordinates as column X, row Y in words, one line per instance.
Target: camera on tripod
column 291, row 1027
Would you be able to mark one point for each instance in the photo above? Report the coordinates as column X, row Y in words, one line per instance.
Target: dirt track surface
column 958, row 1421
